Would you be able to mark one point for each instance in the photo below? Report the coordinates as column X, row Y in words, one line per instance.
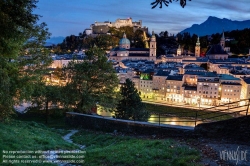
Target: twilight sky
column 66, row 17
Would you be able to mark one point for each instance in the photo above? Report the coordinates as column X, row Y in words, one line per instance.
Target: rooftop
column 175, row 77
column 227, row 77
column 162, row 73
column 139, row 54
column 246, row 80
column 215, row 49
column 203, row 74
column 230, row 83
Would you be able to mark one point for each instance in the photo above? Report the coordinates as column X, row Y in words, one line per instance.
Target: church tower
column 178, row 51
column 197, row 48
column 153, row 45
column 222, row 41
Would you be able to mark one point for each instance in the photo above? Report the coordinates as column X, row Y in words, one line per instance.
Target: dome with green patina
column 124, row 42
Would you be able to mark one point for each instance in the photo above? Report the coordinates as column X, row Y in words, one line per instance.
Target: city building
column 178, row 52
column 125, row 52
column 217, row 51
column 174, row 89
column 197, row 48
column 230, row 88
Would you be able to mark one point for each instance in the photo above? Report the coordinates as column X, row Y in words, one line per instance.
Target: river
column 155, row 119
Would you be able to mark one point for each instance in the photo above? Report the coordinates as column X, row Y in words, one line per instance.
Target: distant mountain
column 55, row 40
column 216, row 25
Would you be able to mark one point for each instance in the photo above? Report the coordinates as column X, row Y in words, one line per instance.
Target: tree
column 23, row 58
column 45, row 95
column 205, row 66
column 90, row 81
column 166, row 3
column 131, row 106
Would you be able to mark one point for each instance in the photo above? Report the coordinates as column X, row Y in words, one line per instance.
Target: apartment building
column 159, row 84
column 230, row 88
column 174, row 89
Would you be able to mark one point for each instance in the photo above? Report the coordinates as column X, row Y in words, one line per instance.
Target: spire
column 179, row 46
column 153, row 37
column 124, row 35
column 153, row 34
column 198, row 42
column 223, row 36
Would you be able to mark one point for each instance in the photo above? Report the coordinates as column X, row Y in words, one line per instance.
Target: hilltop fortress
column 120, row 23
column 103, row 27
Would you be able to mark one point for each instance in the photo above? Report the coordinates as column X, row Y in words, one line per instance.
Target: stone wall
column 237, row 129
column 125, row 126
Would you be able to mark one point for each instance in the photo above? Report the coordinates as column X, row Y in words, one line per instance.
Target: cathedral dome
column 124, row 40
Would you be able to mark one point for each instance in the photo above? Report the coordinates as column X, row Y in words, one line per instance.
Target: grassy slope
column 101, row 148
column 108, row 149
column 20, row 135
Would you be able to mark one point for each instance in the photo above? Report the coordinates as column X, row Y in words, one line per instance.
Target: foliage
column 164, row 43
column 130, row 106
column 238, row 41
column 110, row 149
column 102, row 40
column 166, row 3
column 90, row 81
column 45, row 95
column 22, row 56
column 205, row 66
column 145, row 76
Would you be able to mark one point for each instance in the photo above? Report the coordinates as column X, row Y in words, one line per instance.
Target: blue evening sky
column 66, row 17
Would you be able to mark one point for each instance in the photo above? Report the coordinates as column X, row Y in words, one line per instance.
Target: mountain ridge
column 216, row 25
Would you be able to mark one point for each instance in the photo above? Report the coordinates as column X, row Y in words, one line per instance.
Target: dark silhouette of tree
column 166, row 3
column 131, row 106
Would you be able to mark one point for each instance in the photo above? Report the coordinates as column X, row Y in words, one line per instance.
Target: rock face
column 216, row 25
column 237, row 129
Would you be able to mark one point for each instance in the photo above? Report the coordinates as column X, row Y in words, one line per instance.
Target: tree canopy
column 22, row 56
column 90, row 82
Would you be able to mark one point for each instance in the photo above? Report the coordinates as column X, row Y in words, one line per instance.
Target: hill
column 55, row 40
column 216, row 25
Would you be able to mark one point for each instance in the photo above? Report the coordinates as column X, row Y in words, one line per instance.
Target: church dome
column 124, row 40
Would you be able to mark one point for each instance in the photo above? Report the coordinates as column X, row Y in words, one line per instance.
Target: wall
column 237, row 129
column 125, row 126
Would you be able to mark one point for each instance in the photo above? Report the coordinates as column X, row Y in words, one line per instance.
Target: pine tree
column 131, row 106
